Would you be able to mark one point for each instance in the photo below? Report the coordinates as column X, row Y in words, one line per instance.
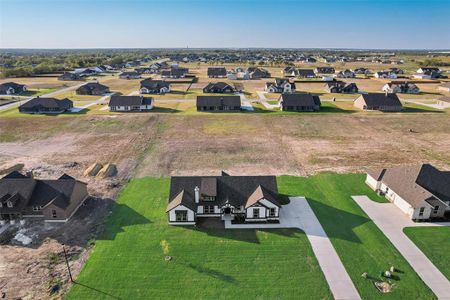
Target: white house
column 130, row 103
column 421, row 192
column 385, row 75
column 280, row 86
column 241, row 199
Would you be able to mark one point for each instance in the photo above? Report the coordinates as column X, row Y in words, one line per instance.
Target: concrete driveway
column 246, row 104
column 298, row 214
column 391, row 222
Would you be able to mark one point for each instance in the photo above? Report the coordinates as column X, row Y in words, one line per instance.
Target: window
column 54, row 213
column 209, row 198
column 208, row 209
column 256, row 213
column 272, row 212
column 181, row 215
column 436, row 209
column 421, row 211
column 9, row 204
column 36, row 208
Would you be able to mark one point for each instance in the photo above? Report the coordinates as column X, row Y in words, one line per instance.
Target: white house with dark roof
column 421, row 191
column 242, row 199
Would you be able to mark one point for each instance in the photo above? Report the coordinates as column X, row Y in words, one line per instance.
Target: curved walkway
column 391, row 222
column 298, row 214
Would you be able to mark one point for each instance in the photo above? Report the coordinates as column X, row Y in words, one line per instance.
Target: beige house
column 381, row 102
column 422, row 192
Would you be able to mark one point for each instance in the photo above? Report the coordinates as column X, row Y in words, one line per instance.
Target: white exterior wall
column 262, row 213
column 270, row 205
column 372, row 182
column 190, row 215
column 426, row 213
column 128, row 108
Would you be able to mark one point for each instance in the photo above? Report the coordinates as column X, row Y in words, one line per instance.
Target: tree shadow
column 212, row 273
column 329, row 216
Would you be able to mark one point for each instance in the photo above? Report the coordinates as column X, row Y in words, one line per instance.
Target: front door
column 227, row 210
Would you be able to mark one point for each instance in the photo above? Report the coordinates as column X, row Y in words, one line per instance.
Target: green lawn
column 128, row 262
column 361, row 246
column 435, row 243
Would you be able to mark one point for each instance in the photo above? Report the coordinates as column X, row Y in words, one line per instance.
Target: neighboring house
column 175, row 73
column 445, row 87
column 324, row 70
column 428, row 74
column 46, row 106
column 145, row 70
column 345, row 74
column 92, row 88
column 385, row 74
column 242, row 199
column 289, row 72
column 257, row 73
column 341, row 87
column 130, row 75
column 130, row 103
column 217, row 72
column 218, row 103
column 399, row 87
column 363, row 71
column 381, row 102
column 232, row 75
column 395, row 70
column 280, row 86
column 150, row 86
column 422, row 192
column 305, row 73
column 428, row 70
column 68, row 76
column 299, row 102
column 84, row 72
column 219, row 87
column 12, row 88
column 49, row 200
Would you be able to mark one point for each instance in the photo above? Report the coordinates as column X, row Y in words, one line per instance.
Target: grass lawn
column 435, row 243
column 361, row 246
column 128, row 263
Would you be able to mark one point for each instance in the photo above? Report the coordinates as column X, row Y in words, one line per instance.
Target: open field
column 38, row 82
column 248, row 143
column 128, row 261
column 435, row 243
column 359, row 243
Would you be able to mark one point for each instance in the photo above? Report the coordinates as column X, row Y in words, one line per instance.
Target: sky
column 363, row 24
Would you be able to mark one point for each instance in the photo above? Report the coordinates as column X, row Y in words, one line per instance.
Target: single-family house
column 299, row 102
column 92, row 88
column 12, row 88
column 281, row 85
column 219, row 87
column 305, row 73
column 51, row 200
column 378, row 101
column 340, row 87
column 257, row 73
column 130, row 103
column 385, row 74
column 428, row 70
column 324, row 70
column 401, row 87
column 151, row 86
column 66, row 76
column 40, row 105
column 217, row 72
column 363, row 71
column 130, row 75
column 345, row 74
column 242, row 199
column 218, row 103
column 420, row 191
column 289, row 72
column 175, row 73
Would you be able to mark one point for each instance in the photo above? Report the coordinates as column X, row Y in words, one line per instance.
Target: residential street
column 299, row 214
column 391, row 222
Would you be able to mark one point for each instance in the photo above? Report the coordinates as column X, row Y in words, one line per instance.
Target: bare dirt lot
column 157, row 144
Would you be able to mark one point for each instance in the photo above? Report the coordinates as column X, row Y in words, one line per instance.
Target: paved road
column 51, row 94
column 298, row 214
column 391, row 221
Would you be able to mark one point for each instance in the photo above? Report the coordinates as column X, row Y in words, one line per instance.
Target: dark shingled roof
column 53, row 103
column 300, row 100
column 416, row 183
column 154, row 84
column 230, row 101
column 220, row 71
column 235, row 190
column 377, row 99
column 130, row 101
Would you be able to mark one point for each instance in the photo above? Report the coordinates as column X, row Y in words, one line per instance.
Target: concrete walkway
column 298, row 214
column 391, row 221
column 246, row 104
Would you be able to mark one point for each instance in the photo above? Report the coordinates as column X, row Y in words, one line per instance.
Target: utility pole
column 67, row 263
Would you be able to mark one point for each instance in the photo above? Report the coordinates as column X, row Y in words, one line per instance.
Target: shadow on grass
column 212, row 273
column 96, row 290
column 122, row 216
column 165, row 110
column 338, row 223
column 410, row 109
